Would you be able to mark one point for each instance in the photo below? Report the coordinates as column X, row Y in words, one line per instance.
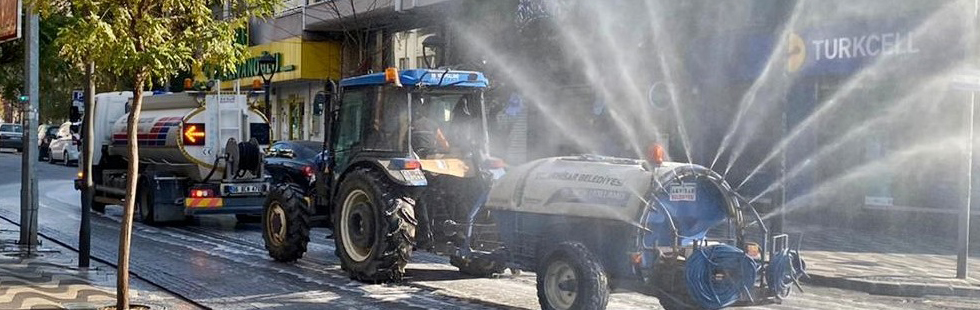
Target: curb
column 893, row 288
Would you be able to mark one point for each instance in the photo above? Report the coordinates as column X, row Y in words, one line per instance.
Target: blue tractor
column 406, row 160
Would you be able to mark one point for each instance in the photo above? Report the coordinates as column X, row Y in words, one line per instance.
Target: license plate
column 242, row 189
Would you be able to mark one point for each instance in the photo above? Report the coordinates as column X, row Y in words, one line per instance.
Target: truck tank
column 189, row 131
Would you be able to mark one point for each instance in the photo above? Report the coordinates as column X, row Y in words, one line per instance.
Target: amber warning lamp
column 391, row 76
column 194, row 134
column 656, row 154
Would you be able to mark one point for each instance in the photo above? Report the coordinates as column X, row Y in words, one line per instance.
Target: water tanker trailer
column 199, row 154
column 591, row 224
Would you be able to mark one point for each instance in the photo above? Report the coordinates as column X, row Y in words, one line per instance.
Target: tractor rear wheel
column 572, row 278
column 374, row 227
column 286, row 223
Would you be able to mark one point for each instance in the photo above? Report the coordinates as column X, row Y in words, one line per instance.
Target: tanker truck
column 199, row 154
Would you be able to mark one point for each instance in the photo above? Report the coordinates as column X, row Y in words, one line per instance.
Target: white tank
column 609, row 189
column 165, row 120
column 616, row 189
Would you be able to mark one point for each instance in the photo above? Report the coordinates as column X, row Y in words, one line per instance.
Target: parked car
column 45, row 135
column 294, row 162
column 11, row 136
column 66, row 148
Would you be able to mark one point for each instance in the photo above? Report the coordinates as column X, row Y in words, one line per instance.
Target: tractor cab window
column 349, row 123
column 445, row 124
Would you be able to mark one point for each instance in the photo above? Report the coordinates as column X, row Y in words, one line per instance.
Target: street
column 218, row 263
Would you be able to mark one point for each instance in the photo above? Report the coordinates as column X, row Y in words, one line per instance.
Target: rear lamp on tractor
column 405, row 164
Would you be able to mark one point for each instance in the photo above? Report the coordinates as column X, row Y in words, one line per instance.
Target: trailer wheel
column 286, row 223
column 374, row 227
column 477, row 267
column 572, row 278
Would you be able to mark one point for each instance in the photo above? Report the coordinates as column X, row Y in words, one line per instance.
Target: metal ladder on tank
column 229, row 119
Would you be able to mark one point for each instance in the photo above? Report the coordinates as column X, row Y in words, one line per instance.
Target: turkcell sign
column 871, row 45
column 847, row 48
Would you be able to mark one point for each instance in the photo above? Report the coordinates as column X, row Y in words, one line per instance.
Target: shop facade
column 303, row 69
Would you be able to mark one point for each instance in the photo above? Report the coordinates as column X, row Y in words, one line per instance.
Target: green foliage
column 154, row 38
column 57, row 77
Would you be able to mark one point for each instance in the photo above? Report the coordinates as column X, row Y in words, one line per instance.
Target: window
column 403, row 63
column 11, row 128
column 274, row 150
column 421, row 63
column 445, row 123
column 349, row 128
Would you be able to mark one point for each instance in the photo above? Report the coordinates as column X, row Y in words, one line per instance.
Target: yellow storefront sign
column 297, row 60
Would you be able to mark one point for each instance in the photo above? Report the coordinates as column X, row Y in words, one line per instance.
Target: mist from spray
column 722, row 113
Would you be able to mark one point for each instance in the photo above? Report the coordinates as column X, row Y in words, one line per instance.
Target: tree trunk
column 132, row 178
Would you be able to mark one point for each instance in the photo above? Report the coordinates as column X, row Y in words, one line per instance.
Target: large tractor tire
column 374, row 227
column 572, row 278
column 286, row 223
column 478, row 266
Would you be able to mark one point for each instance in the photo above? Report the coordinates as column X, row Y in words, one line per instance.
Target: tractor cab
column 431, row 118
column 406, row 168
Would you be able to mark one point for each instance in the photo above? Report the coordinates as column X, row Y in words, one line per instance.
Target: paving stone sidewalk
column 879, row 263
column 51, row 280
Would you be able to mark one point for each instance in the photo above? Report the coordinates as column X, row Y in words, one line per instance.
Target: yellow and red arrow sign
column 194, row 134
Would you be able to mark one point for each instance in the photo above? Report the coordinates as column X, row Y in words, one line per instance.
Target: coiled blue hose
column 717, row 275
column 784, row 268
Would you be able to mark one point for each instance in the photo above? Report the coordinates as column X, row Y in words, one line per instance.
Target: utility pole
column 28, row 188
column 963, row 236
column 88, row 189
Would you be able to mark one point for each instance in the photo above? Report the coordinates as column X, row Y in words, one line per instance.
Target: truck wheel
column 374, row 227
column 98, row 207
column 286, row 223
column 477, row 267
column 144, row 205
column 572, row 278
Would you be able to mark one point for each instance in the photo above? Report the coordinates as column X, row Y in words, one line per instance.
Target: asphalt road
column 222, row 264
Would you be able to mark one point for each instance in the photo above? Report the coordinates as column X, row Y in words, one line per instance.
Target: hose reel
column 243, row 157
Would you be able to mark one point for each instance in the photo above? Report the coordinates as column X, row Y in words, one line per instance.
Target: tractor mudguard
column 400, row 177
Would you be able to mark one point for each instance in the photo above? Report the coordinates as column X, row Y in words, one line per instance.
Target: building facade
column 853, row 104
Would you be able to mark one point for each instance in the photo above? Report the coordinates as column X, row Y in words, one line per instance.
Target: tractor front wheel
column 572, row 278
column 374, row 227
column 286, row 223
